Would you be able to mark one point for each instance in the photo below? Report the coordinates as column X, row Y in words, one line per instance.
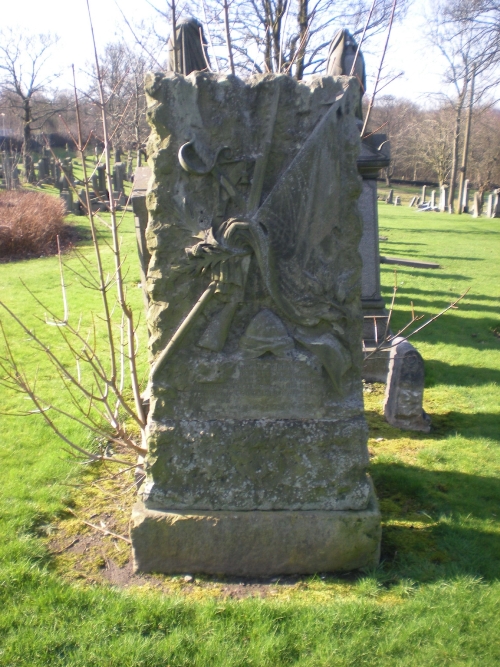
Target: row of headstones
column 493, row 208
column 100, row 200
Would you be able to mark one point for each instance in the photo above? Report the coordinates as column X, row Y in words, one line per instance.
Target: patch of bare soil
column 103, row 555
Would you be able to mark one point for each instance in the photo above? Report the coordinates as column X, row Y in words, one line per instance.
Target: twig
column 370, row 106
column 362, row 37
column 102, row 530
column 68, row 546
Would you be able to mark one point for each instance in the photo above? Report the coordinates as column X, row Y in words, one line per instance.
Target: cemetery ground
column 68, row 596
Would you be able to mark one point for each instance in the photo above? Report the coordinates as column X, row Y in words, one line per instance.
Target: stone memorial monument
column 257, row 445
column 443, row 199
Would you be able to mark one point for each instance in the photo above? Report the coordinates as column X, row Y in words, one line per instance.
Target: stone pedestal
column 370, row 162
column 255, row 543
column 257, row 443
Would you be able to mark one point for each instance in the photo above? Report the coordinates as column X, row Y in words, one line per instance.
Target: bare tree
column 484, row 156
column 468, row 36
column 23, row 60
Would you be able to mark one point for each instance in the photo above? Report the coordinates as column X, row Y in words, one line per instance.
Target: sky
column 408, row 51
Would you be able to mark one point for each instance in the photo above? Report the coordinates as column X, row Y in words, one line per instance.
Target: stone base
column 376, row 367
column 255, row 543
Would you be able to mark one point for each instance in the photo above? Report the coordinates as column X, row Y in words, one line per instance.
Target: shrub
column 30, row 223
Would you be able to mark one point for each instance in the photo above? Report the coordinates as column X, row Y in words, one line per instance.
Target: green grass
column 434, row 599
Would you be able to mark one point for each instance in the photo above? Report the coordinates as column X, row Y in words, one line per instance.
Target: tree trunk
column 454, row 155
column 463, row 170
column 303, row 18
column 27, row 160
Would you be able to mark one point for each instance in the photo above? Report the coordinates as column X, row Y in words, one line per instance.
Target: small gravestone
column 67, row 197
column 489, row 207
column 42, row 170
column 389, row 198
column 118, row 155
column 496, row 204
column 424, row 188
column 443, row 199
column 129, row 168
column 477, row 208
column 118, row 179
column 412, row 202
column 465, row 197
column 101, row 179
column 433, row 199
column 397, row 201
column 405, row 388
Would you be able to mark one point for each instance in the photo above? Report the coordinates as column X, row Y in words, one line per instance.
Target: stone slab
column 255, row 544
column 258, row 465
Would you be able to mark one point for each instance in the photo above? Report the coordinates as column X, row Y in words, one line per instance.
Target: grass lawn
column 435, row 598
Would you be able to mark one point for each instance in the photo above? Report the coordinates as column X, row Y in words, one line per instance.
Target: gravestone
column 465, row 197
column 405, row 388
column 101, row 180
column 138, row 200
column 118, row 155
column 129, row 168
column 478, row 206
column 433, row 199
column 496, row 203
column 443, row 199
column 95, row 183
column 424, row 188
column 257, row 441
column 412, row 202
column 389, row 198
column 489, row 208
column 417, row 203
column 66, row 196
column 7, row 164
column 397, row 201
column 15, row 178
column 118, row 180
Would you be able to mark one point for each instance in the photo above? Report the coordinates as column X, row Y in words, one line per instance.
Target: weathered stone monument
column 477, row 208
column 465, row 197
column 257, row 460
column 405, row 388
column 389, row 198
column 424, row 188
column 433, row 199
column 496, row 203
column 443, row 199
column 489, row 207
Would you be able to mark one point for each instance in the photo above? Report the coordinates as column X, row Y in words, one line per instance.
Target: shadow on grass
column 438, row 372
column 464, row 424
column 416, row 273
column 452, row 230
column 432, row 522
column 426, row 294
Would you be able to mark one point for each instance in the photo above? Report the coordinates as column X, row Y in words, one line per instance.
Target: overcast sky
column 408, row 52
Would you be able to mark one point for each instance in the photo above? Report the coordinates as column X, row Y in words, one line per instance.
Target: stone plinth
column 257, row 459
column 255, row 543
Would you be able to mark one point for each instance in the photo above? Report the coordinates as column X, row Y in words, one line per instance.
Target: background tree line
column 287, row 36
